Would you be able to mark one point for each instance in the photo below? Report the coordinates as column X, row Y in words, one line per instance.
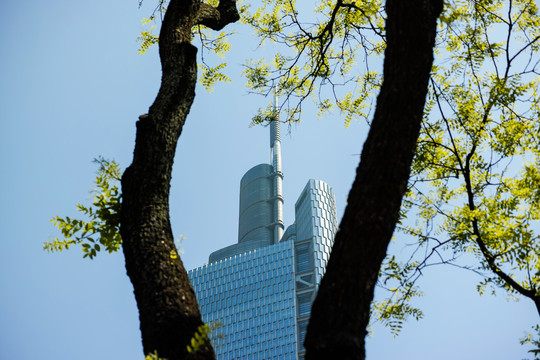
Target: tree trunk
column 168, row 310
column 340, row 313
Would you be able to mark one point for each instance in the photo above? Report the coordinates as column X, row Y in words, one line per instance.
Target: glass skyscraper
column 258, row 292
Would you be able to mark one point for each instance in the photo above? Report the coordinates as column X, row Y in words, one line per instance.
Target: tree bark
column 340, row 313
column 168, row 309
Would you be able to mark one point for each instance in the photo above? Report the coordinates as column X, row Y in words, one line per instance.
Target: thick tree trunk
column 168, row 310
column 340, row 313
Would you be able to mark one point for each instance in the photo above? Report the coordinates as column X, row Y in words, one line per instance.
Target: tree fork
column 340, row 313
column 168, row 309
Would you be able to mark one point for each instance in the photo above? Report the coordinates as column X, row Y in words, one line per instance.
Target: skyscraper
column 260, row 289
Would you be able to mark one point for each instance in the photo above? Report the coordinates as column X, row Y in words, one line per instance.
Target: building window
column 304, row 304
column 302, row 258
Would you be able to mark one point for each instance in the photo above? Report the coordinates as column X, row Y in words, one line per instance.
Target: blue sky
column 71, row 89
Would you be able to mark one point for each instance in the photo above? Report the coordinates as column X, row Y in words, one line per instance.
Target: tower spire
column 275, row 151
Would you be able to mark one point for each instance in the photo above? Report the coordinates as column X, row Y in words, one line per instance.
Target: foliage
column 147, row 38
column 397, row 280
column 153, row 356
column 204, row 334
column 199, row 339
column 480, row 157
column 474, row 190
column 102, row 224
column 218, row 45
column 329, row 41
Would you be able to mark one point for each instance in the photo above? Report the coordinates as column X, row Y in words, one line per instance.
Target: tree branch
column 216, row 18
column 481, row 244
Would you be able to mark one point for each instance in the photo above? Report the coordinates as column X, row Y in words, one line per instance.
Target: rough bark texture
column 340, row 313
column 168, row 310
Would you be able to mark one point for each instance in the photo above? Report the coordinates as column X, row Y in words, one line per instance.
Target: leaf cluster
column 399, row 280
column 319, row 54
column 199, row 339
column 204, row 334
column 147, row 38
column 153, row 356
column 101, row 226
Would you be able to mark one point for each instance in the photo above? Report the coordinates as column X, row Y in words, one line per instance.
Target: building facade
column 257, row 293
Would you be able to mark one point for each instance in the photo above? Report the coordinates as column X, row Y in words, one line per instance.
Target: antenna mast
column 275, row 151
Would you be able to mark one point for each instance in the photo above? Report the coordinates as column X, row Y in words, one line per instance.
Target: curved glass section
column 256, row 210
